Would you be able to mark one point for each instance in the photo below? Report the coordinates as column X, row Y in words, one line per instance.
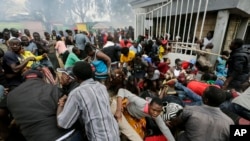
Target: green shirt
column 71, row 60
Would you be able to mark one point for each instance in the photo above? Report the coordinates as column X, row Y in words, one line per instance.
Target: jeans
column 46, row 62
column 186, row 92
column 3, row 98
column 241, row 111
column 1, row 91
column 235, row 108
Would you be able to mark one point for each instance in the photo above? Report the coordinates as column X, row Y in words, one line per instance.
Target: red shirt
column 163, row 68
column 197, row 87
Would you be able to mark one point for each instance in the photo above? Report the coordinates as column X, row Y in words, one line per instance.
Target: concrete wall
column 232, row 28
column 209, row 24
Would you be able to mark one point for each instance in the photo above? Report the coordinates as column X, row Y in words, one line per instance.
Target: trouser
column 241, row 111
column 197, row 100
column 124, row 126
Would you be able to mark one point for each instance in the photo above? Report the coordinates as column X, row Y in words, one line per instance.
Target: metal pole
column 203, row 20
column 185, row 25
column 191, row 18
column 142, row 25
column 176, row 11
column 157, row 24
column 165, row 31
column 136, row 24
column 152, row 26
column 180, row 19
column 169, row 24
column 160, row 22
column 197, row 19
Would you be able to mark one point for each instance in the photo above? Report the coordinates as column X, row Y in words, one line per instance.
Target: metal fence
column 177, row 18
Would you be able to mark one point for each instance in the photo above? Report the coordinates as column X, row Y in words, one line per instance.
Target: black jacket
column 33, row 104
column 239, row 65
column 113, row 52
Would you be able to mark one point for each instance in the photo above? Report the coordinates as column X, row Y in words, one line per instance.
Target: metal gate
column 177, row 18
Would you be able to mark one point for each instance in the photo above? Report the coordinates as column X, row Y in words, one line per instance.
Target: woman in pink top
column 61, row 49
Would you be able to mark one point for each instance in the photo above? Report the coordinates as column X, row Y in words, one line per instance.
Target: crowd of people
column 73, row 86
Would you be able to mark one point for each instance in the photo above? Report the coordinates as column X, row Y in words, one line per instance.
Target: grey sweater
column 243, row 99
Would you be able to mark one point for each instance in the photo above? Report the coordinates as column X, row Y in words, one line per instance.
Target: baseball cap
column 67, row 71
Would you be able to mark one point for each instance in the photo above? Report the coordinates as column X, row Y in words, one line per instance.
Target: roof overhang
column 240, row 7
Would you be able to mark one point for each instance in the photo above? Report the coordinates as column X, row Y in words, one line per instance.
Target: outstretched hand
column 62, row 100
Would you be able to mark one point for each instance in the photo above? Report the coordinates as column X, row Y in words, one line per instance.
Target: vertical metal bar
column 185, row 24
column 152, row 24
column 197, row 19
column 160, row 22
column 176, row 14
column 170, row 15
column 136, row 29
column 190, row 23
column 165, row 31
column 157, row 24
column 178, row 33
column 203, row 20
column 146, row 24
column 143, row 25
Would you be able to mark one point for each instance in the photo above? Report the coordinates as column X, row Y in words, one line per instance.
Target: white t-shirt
column 156, row 75
column 206, row 42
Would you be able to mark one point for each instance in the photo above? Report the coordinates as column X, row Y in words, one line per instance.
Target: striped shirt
column 90, row 103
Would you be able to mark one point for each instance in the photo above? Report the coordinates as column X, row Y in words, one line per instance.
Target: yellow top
column 161, row 52
column 126, row 59
column 27, row 54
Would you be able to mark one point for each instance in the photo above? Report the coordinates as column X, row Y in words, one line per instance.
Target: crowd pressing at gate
column 75, row 85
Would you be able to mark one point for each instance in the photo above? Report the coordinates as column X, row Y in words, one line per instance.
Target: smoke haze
column 67, row 12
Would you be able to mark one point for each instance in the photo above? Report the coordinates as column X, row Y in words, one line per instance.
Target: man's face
column 232, row 46
column 178, row 66
column 25, row 41
column 64, row 79
column 27, row 32
column 209, row 35
column 6, row 35
column 15, row 46
column 47, row 36
column 15, row 33
column 36, row 37
column 70, row 33
column 78, row 52
column 54, row 33
column 154, row 110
